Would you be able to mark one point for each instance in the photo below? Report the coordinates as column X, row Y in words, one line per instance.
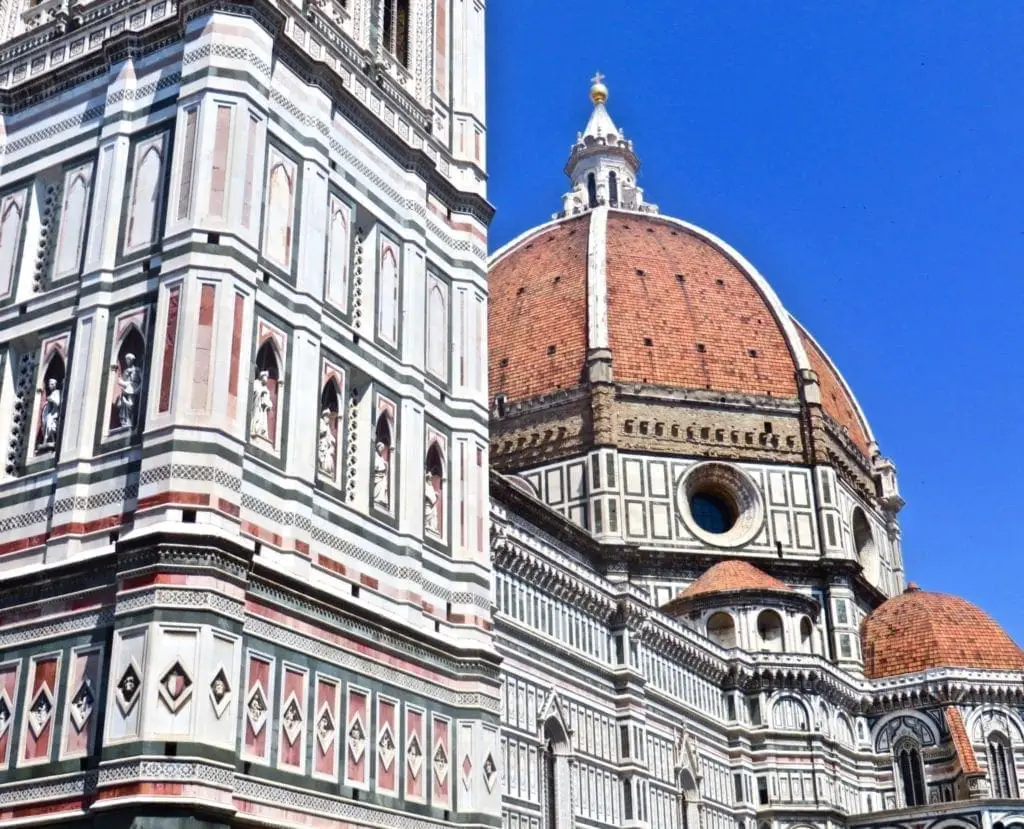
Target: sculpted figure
column 51, row 414
column 381, row 496
column 130, row 382
column 430, row 522
column 326, row 445
column 262, row 404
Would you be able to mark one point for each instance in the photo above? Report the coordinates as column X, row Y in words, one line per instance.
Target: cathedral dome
column 919, row 630
column 734, row 576
column 674, row 307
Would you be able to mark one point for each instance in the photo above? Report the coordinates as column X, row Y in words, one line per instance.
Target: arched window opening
column 1001, row 770
column 142, row 220
column 266, row 389
column 613, row 189
column 769, row 629
column 327, row 439
column 127, row 379
column 864, row 546
column 396, row 29
column 591, row 190
column 382, row 457
column 433, row 492
column 722, row 630
column 50, row 404
column 911, row 772
column 806, row 635
column 557, row 797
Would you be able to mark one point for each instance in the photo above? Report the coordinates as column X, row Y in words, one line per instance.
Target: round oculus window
column 712, row 512
column 719, row 504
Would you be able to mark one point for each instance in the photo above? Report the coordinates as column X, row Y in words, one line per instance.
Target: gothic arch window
column 72, row 224
column 769, row 631
column 338, row 252
column 864, row 545
column 143, row 210
column 328, row 443
column 433, row 497
column 1001, row 770
column 127, row 381
column 10, row 237
column 556, row 799
column 910, row 772
column 383, row 457
column 591, row 190
column 387, row 315
column 437, row 329
column 278, row 226
column 396, row 29
column 613, row 189
column 266, row 394
column 722, row 629
column 50, row 392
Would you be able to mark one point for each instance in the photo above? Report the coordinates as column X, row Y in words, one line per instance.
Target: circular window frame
column 723, row 481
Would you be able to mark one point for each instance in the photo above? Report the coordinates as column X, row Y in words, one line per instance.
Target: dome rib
column 918, row 631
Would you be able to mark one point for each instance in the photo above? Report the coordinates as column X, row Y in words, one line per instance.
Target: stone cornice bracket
column 523, row 564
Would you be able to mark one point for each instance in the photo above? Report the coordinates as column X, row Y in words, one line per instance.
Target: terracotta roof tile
column 707, row 324
column 537, row 313
column 835, row 399
column 729, row 576
column 918, row 630
column 961, row 742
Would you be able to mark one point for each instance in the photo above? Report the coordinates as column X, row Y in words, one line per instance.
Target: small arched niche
column 864, row 545
column 769, row 631
column 806, row 635
column 434, row 514
column 721, row 629
column 127, row 397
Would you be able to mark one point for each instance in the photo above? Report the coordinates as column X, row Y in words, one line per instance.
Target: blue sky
column 868, row 158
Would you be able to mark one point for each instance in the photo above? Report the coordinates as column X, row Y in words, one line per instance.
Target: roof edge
column 839, row 375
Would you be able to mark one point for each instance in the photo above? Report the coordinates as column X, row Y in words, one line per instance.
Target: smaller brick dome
column 919, row 630
column 733, row 576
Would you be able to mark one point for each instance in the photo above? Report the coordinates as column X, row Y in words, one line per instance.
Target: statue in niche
column 130, row 381
column 326, row 445
column 262, row 404
column 381, row 494
column 51, row 415
column 430, row 523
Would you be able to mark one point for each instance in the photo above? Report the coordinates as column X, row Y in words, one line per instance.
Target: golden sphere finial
column 598, row 91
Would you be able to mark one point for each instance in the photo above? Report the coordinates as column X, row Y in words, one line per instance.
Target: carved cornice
column 518, row 561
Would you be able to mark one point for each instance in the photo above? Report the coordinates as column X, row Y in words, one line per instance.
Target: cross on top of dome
column 602, row 165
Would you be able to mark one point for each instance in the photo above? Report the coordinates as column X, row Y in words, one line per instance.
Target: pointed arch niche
column 127, row 378
column 48, row 417
column 438, row 336
column 73, row 214
column 266, row 417
column 435, row 512
column 687, row 777
column 339, row 252
column 12, row 210
column 279, row 215
column 147, row 185
column 388, row 283
column 384, row 458
column 556, row 766
column 330, row 428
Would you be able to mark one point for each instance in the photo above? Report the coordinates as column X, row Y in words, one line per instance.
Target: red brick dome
column 919, row 630
column 675, row 307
